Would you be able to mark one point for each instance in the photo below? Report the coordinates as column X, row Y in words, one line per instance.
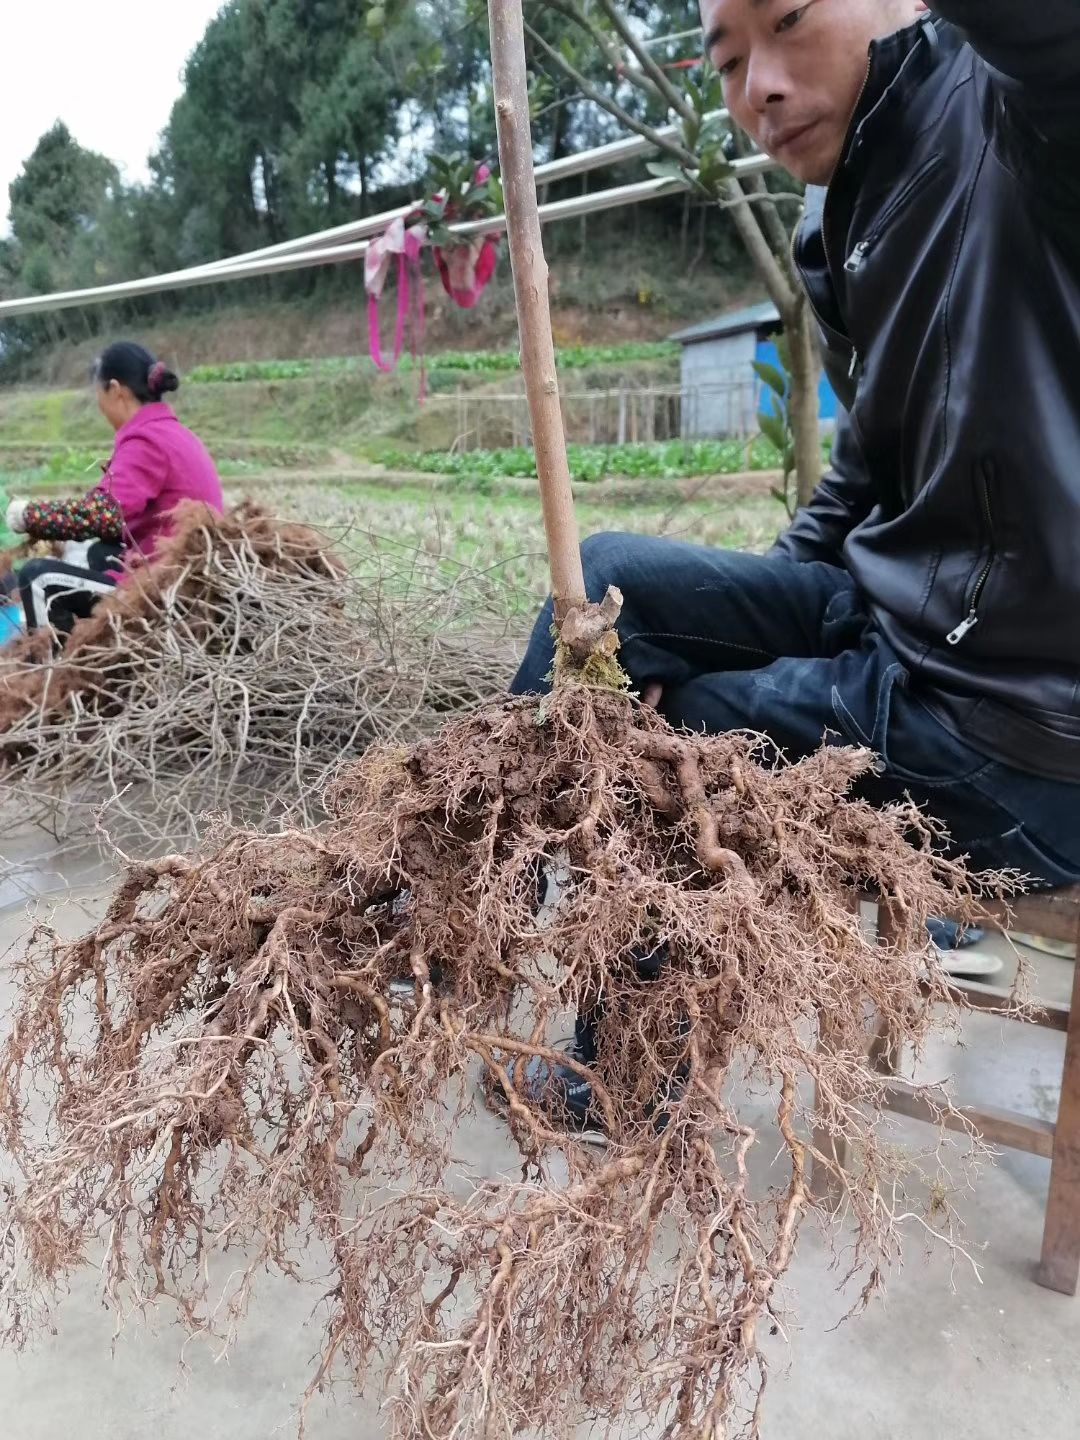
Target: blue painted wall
column 767, row 354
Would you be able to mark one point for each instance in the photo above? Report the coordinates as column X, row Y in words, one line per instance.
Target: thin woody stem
column 531, row 292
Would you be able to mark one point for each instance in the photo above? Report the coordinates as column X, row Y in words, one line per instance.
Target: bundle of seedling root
column 246, row 660
column 238, row 1078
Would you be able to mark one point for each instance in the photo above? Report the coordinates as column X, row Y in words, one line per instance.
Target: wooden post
column 622, row 415
column 826, row 1185
column 1060, row 1266
column 885, row 1053
column 510, row 84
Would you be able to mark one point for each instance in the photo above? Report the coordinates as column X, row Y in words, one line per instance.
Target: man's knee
column 29, row 572
column 604, row 560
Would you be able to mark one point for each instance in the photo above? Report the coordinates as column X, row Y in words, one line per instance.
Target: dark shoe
column 564, row 1095
column 403, row 986
column 950, row 935
column 559, row 1092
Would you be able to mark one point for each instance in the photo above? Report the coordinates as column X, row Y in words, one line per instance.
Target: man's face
column 793, row 73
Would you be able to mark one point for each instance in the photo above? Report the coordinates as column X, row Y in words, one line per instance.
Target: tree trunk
column 699, row 253
column 557, row 134
column 804, row 402
column 272, row 196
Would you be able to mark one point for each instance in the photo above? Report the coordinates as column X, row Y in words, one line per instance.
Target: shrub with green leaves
column 659, row 460
column 775, row 420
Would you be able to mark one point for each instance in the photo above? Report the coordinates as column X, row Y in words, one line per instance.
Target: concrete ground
column 943, row 1356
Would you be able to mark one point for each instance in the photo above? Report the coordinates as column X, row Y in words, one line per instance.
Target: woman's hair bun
column 160, row 380
column 133, row 366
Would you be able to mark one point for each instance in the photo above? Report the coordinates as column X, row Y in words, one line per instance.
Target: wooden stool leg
column 884, row 1051
column 884, row 1048
column 1060, row 1267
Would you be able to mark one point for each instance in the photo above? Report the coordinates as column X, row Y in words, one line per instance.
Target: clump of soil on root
column 228, row 1065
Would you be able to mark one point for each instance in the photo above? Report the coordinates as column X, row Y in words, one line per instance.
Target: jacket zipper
column 843, row 156
column 972, row 619
column 853, row 367
column 854, row 262
column 929, row 30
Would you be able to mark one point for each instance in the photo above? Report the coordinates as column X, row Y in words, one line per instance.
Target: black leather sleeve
column 1033, row 50
column 843, row 500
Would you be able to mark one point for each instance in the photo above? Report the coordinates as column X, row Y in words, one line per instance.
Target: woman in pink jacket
column 156, row 463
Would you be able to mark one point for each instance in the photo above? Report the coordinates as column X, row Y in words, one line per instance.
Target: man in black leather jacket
column 927, row 602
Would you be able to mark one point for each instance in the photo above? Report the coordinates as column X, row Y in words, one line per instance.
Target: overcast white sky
column 111, row 73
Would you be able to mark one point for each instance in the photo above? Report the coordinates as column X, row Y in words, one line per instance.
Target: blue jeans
column 749, row 642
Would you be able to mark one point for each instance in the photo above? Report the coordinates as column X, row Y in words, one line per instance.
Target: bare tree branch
column 604, row 44
column 662, row 142
column 781, row 292
column 773, row 225
column 668, row 92
column 510, row 85
column 767, row 197
column 776, row 232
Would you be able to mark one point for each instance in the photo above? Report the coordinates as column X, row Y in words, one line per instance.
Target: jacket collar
column 148, row 414
column 896, row 67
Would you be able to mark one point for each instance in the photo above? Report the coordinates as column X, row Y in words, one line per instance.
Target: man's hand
column 16, row 516
column 652, row 695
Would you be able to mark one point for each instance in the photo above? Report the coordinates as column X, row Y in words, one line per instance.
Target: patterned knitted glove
column 96, row 516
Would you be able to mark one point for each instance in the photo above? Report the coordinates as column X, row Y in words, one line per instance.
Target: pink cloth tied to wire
column 465, row 270
column 405, row 245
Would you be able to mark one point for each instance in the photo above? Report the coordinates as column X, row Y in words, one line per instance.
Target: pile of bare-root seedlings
column 245, row 662
column 236, row 1078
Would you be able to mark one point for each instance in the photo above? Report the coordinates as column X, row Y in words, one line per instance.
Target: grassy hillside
column 299, row 413
column 311, row 432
